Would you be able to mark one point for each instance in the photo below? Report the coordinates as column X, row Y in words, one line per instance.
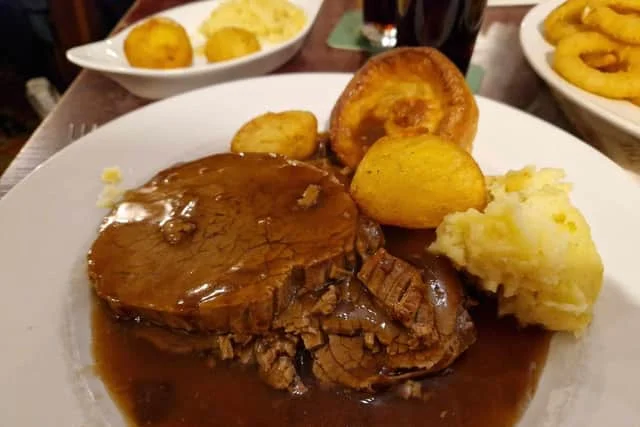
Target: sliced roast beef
column 221, row 244
column 402, row 292
column 175, row 342
column 299, row 318
column 348, row 362
column 370, row 237
column 275, row 356
column 255, row 258
column 345, row 361
column 374, row 343
column 357, row 314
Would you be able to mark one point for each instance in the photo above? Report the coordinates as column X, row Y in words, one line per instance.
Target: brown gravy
column 490, row 385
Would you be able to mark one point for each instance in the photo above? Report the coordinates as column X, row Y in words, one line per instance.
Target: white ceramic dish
column 49, row 220
column 107, row 56
column 538, row 52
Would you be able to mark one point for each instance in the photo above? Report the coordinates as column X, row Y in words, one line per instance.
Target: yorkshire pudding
column 403, row 92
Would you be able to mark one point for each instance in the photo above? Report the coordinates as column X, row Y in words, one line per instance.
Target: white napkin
column 513, row 2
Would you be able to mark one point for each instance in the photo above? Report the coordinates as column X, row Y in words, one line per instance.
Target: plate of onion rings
column 589, row 52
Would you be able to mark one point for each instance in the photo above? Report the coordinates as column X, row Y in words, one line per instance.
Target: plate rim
column 528, row 29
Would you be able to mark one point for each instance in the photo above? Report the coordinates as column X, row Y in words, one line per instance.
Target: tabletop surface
column 94, row 99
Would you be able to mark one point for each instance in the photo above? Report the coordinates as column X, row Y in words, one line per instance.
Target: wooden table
column 93, row 98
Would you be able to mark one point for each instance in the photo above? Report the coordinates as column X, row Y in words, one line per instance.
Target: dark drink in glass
column 380, row 11
column 379, row 18
column 451, row 26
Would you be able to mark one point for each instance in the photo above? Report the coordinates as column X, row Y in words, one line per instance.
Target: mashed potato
column 109, row 196
column 531, row 247
column 111, row 193
column 111, row 175
column 272, row 21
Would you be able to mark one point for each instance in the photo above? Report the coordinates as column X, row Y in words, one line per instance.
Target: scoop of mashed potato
column 273, row 21
column 532, row 247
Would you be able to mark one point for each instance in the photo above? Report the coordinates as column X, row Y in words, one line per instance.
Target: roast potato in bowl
column 230, row 43
column 158, row 43
column 108, row 56
column 404, row 92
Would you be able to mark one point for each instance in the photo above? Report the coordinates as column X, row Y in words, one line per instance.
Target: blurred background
column 34, row 35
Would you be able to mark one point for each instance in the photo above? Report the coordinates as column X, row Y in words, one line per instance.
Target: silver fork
column 78, row 130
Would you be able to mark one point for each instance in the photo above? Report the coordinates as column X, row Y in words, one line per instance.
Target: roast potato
column 413, row 182
column 158, row 43
column 404, row 92
column 291, row 133
column 229, row 43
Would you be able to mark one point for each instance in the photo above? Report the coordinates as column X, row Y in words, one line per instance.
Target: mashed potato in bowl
column 532, row 247
column 272, row 21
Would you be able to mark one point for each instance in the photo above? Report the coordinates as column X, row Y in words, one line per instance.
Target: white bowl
column 107, row 56
column 621, row 114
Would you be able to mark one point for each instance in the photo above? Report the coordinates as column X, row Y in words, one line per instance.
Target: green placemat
column 346, row 35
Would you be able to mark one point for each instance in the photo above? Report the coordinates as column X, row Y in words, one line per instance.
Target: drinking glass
column 451, row 26
column 379, row 25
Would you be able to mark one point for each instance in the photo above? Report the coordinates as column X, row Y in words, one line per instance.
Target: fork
column 78, row 130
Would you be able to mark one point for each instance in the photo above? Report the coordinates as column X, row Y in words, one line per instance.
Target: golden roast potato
column 158, row 43
column 413, row 182
column 403, row 92
column 291, row 133
column 229, row 43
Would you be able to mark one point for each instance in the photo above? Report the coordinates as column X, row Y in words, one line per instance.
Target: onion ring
column 564, row 21
column 568, row 62
column 601, row 61
column 604, row 16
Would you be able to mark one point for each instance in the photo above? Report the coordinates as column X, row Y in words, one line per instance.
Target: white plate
column 48, row 221
column 107, row 56
column 622, row 114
